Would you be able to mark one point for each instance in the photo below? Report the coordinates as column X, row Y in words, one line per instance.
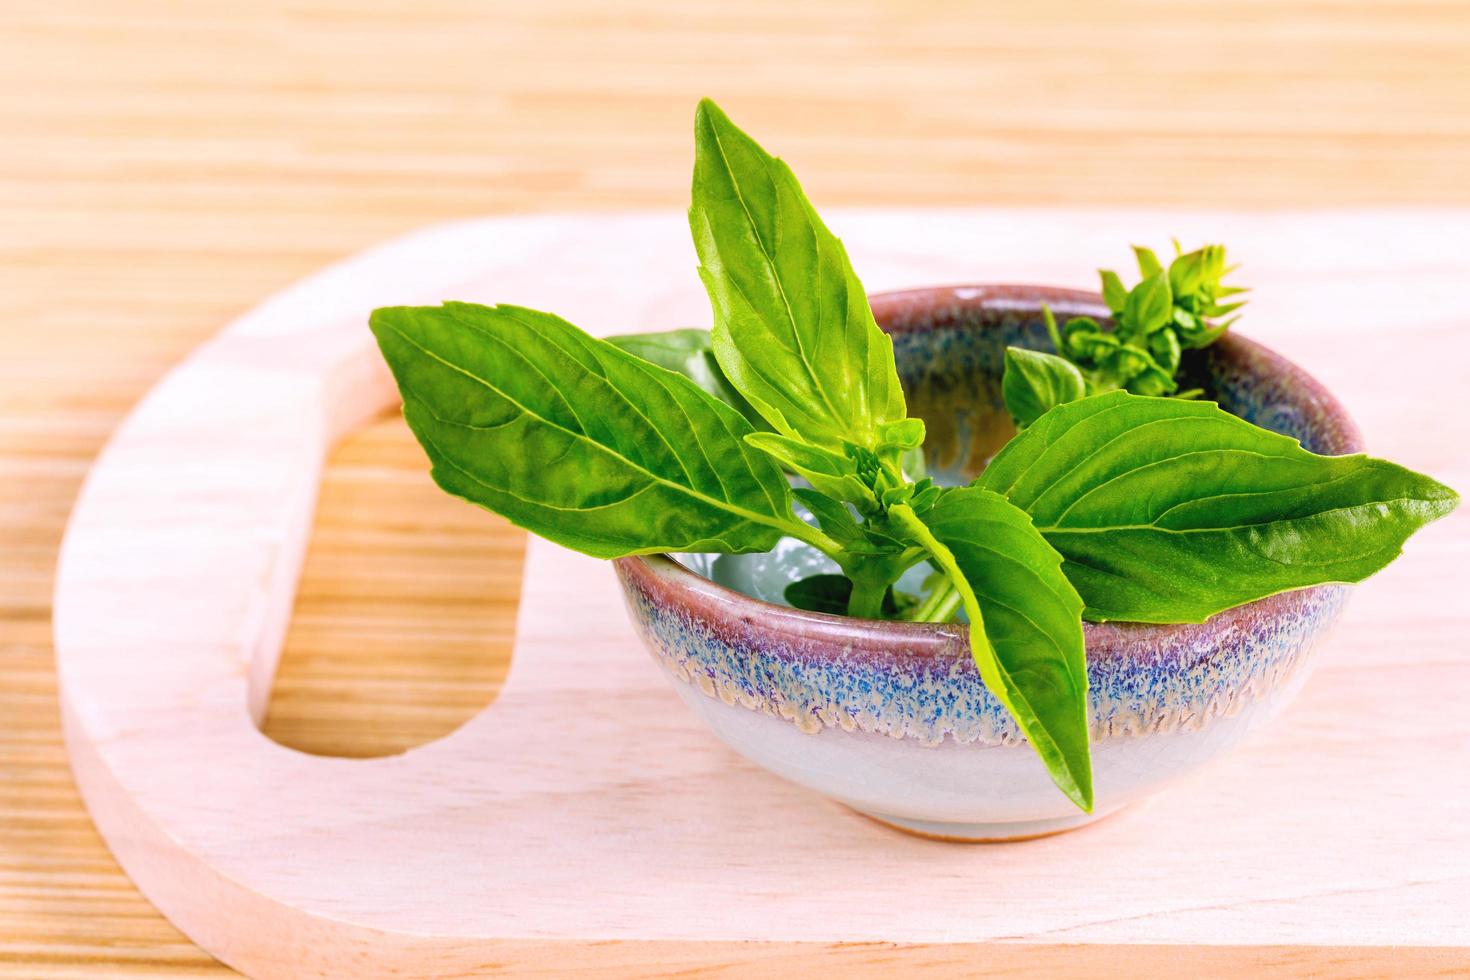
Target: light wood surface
column 586, row 804
column 165, row 165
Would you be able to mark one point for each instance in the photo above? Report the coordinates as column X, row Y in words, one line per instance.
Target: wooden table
column 165, row 165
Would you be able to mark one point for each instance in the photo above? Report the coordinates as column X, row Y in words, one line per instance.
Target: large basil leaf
column 1025, row 623
column 576, row 440
column 792, row 327
column 1170, row 511
column 688, row 352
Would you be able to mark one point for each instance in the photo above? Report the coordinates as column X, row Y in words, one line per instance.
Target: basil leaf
column 1025, row 623
column 831, row 592
column 688, row 352
column 905, row 438
column 1148, row 262
column 832, row 516
column 826, row 593
column 1188, row 272
column 792, row 327
column 1114, row 294
column 576, row 440
column 1170, row 511
column 1149, row 306
column 1164, row 345
column 830, row 473
column 1035, row 382
column 870, row 539
column 903, row 434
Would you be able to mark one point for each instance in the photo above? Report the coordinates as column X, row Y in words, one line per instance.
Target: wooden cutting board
column 587, row 805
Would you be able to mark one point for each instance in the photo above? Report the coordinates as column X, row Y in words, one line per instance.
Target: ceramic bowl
column 891, row 718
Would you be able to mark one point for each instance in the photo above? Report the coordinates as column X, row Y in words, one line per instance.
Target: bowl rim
column 667, row 579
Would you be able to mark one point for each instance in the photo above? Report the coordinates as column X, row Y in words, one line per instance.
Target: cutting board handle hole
column 430, row 587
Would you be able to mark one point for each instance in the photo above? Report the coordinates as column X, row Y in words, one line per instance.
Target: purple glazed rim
column 740, row 619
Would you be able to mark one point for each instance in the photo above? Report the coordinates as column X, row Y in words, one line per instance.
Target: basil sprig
column 1170, row 311
column 1111, row 504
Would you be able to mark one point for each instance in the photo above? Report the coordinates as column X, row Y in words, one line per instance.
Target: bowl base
column 987, row 833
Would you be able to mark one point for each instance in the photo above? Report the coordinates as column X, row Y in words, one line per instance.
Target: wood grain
column 165, row 165
column 585, row 803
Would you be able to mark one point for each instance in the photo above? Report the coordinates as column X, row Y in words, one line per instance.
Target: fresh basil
column 1150, row 305
column 576, row 440
column 1025, row 623
column 1171, row 310
column 1114, row 293
column 1035, row 382
column 832, row 593
column 833, row 474
column 1170, row 511
column 825, row 593
column 792, row 327
column 1108, row 505
column 1148, row 263
column 688, row 352
column 834, row 516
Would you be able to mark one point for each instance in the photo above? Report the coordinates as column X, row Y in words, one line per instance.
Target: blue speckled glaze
column 917, row 681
